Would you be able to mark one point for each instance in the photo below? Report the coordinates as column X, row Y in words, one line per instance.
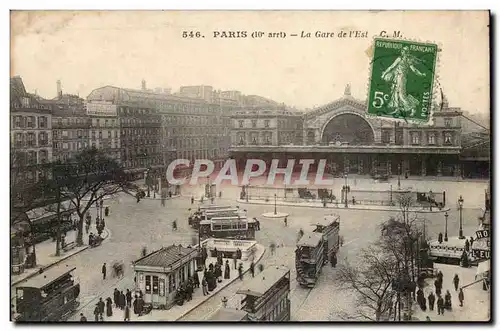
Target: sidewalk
column 318, row 204
column 177, row 312
column 45, row 254
column 476, row 301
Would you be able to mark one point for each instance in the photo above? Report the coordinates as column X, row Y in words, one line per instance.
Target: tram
column 266, row 295
column 233, row 227
column 197, row 216
column 48, row 297
column 316, row 248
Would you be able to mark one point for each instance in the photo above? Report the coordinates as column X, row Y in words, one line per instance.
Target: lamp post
column 446, row 226
column 460, row 207
column 399, row 177
column 275, row 204
column 345, row 191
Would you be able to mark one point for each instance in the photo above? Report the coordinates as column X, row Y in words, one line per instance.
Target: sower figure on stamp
column 397, row 73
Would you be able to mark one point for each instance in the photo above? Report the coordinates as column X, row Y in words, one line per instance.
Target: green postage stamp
column 402, row 79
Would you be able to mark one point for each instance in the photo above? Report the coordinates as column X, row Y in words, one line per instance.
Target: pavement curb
column 226, row 285
column 342, row 208
column 48, row 266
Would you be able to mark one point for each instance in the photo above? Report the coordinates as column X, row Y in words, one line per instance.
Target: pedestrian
column 204, row 285
column 96, row 313
column 103, row 270
column 234, row 259
column 109, row 307
column 100, row 305
column 272, row 246
column 428, row 319
column 106, row 211
column 286, row 221
column 224, row 302
column 192, row 200
column 240, row 271
column 122, row 300
column 252, row 269
column 127, row 314
column 189, row 291
column 461, row 298
column 440, row 305
column 353, row 201
column 437, row 285
column 212, row 200
column 135, row 305
column 128, row 297
column 431, row 299
column 87, row 228
column 174, row 225
column 238, row 254
column 227, row 271
column 116, row 296
column 83, row 318
column 456, row 280
column 466, row 245
column 196, row 279
column 333, row 260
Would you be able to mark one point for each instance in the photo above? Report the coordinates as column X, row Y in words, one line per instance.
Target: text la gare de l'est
column 253, row 168
column 222, row 34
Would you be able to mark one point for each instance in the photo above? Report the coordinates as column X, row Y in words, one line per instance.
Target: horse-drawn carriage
column 118, row 269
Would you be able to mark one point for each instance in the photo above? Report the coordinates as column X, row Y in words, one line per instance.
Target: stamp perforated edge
column 436, row 86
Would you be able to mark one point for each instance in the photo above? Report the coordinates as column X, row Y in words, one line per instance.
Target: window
column 266, row 123
column 156, row 289
column 109, row 134
column 65, row 134
column 31, row 139
column 386, row 136
column 100, row 134
column 431, row 138
column 254, row 123
column 18, row 121
column 415, row 138
column 30, row 122
column 25, row 102
column 18, row 140
column 42, row 122
column 448, row 138
column 240, row 123
column 148, row 284
column 42, row 137
column 448, row 122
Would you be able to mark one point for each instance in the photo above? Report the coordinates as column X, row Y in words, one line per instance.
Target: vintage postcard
column 256, row 166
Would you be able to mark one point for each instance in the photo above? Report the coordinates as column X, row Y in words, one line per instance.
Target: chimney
column 59, row 89
column 143, row 85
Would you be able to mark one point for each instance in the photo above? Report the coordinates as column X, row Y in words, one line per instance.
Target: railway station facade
column 352, row 142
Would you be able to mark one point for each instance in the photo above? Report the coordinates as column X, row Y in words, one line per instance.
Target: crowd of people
column 438, row 300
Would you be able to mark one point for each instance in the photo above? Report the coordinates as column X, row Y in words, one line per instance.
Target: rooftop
column 259, row 285
column 47, row 277
column 327, row 220
column 310, row 239
column 165, row 256
column 227, row 314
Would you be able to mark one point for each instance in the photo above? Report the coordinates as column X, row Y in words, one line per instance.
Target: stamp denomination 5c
column 402, row 79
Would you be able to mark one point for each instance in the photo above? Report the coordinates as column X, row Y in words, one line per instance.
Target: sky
column 87, row 50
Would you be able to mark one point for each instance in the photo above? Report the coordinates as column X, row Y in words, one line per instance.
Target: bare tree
column 371, row 279
column 87, row 179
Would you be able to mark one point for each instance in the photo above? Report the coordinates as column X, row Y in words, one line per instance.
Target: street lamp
column 446, row 226
column 275, row 204
column 346, row 188
column 460, row 207
column 399, row 177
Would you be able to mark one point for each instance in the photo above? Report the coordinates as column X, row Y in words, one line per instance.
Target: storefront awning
column 482, row 268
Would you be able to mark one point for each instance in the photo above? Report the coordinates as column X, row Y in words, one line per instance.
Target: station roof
column 227, row 314
column 259, row 285
column 310, row 239
column 165, row 256
column 47, row 277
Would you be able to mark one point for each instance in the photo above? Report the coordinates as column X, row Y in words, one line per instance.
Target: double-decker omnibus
column 48, row 297
column 197, row 216
column 234, row 227
column 266, row 295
